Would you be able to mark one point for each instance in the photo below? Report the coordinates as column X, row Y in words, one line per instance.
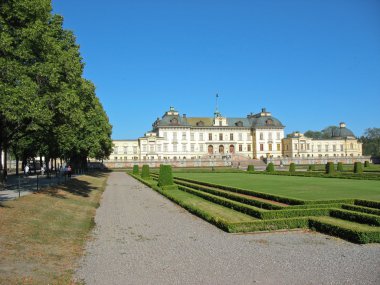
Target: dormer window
column 239, row 124
column 174, row 121
column 269, row 122
column 200, row 124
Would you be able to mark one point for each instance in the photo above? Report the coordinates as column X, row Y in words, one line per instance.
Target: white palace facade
column 257, row 136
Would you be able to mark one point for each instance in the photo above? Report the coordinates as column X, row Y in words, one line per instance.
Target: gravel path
column 142, row 238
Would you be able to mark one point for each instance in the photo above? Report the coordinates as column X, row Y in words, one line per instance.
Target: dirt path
column 142, row 238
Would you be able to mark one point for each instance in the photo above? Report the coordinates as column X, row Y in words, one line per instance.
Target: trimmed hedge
column 270, row 225
column 270, row 167
column 329, row 169
column 165, row 177
column 366, row 163
column 231, row 195
column 367, row 203
column 352, row 216
column 135, row 169
column 358, row 167
column 361, row 209
column 251, row 168
column 339, row 167
column 348, row 233
column 145, row 172
column 311, row 167
column 292, row 168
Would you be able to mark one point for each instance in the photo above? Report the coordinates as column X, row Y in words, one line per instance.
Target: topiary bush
column 251, row 168
column 270, row 167
column 339, row 167
column 330, row 168
column 311, row 167
column 292, row 168
column 135, row 169
column 145, row 172
column 358, row 167
column 366, row 163
column 165, row 177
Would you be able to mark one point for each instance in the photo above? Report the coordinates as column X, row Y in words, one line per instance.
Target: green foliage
column 311, row 167
column 251, row 168
column 346, row 231
column 358, row 167
column 166, row 176
column 361, row 209
column 369, row 204
column 329, row 168
column 366, row 163
column 145, row 173
column 292, row 168
column 356, row 217
column 270, row 167
column 371, row 142
column 339, row 167
column 135, row 169
column 270, row 225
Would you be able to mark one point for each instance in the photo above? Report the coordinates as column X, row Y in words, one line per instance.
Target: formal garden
column 248, row 201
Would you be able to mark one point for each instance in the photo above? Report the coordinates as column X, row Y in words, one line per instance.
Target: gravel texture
column 143, row 238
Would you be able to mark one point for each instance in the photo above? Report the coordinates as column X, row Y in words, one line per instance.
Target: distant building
column 340, row 143
column 176, row 136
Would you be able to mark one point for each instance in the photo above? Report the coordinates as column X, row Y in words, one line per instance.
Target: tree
column 371, row 142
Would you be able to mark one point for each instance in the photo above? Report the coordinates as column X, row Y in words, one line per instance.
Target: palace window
column 278, row 147
column 174, row 148
column 231, row 137
column 270, row 146
column 319, row 148
column 278, row 135
column 220, row 123
column 334, row 147
column 174, row 135
column 308, row 146
column 326, row 147
column 151, row 148
column 192, row 136
column 184, row 148
column 166, row 147
column 201, row 147
column 249, row 147
column 296, row 146
column 165, row 135
column 201, row 136
column 240, row 147
column 125, row 150
column 269, row 136
column 210, row 136
column 220, row 137
column 261, row 147
column 144, row 148
column 192, row 147
column 341, row 147
column 158, row 148
column 240, row 136
column 261, row 136
column 135, row 150
column 183, row 136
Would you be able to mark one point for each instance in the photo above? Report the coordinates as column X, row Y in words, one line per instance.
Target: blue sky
column 311, row 63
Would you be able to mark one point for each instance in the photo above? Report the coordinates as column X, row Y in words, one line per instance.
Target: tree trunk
column 5, row 167
column 17, row 163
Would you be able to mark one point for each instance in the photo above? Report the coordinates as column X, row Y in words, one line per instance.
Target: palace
column 256, row 136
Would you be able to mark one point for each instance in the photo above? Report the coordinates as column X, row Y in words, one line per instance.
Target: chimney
column 263, row 110
column 342, row 125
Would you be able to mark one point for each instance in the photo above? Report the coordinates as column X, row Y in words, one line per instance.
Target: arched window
column 210, row 149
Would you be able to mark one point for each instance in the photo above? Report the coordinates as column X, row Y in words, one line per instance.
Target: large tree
column 371, row 142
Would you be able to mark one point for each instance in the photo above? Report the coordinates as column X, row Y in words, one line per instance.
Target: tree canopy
column 371, row 142
column 47, row 108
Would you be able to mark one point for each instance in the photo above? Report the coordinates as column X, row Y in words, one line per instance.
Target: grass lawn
column 306, row 188
column 42, row 235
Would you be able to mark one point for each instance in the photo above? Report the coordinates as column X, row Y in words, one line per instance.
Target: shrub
column 135, row 169
column 145, row 172
column 270, row 167
column 358, row 167
column 166, row 176
column 339, row 167
column 251, row 168
column 330, row 168
column 311, row 167
column 366, row 163
column 292, row 168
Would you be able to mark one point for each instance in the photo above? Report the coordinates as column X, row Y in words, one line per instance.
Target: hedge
column 270, row 167
column 270, row 225
column 165, row 177
column 339, row 167
column 367, row 203
column 145, row 172
column 358, row 167
column 231, row 195
column 329, row 168
column 366, row 163
column 135, row 169
column 292, row 168
column 285, row 200
column 311, row 167
column 251, row 168
column 348, row 233
column 361, row 209
column 352, row 216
